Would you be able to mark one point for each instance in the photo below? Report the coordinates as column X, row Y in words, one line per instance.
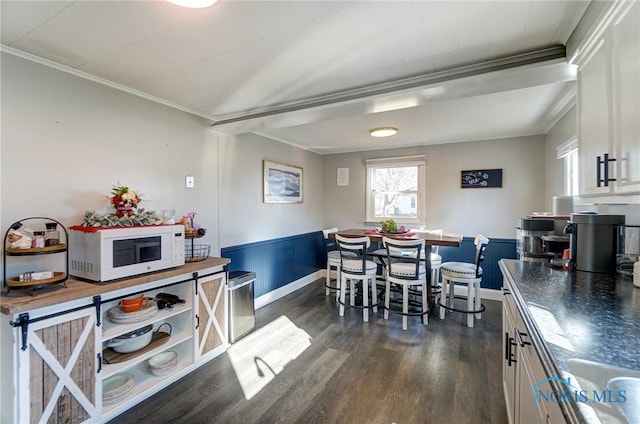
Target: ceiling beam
column 529, row 69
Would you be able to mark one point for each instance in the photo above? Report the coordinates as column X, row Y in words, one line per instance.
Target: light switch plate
column 189, row 181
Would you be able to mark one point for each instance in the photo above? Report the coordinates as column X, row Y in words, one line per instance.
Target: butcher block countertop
column 17, row 302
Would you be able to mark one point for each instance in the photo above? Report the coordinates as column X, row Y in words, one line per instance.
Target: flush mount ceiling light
column 193, row 4
column 383, row 132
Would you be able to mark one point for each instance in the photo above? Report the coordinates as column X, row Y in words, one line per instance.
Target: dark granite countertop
column 587, row 323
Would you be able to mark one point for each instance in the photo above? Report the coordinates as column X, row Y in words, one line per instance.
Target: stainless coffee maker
column 595, row 241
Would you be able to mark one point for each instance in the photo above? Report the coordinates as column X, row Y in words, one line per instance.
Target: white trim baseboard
column 276, row 294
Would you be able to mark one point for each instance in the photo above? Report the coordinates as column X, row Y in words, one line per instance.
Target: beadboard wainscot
column 52, row 344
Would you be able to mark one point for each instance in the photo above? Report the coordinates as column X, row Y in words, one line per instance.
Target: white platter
column 116, row 388
column 118, row 316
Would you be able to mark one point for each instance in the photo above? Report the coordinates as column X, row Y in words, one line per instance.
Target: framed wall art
column 282, row 183
column 342, row 177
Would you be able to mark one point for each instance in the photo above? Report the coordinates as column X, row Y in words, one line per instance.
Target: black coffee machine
column 595, row 241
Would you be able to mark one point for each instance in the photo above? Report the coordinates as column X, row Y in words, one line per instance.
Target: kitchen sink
column 612, row 393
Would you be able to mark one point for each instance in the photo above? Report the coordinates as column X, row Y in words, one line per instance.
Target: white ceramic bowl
column 132, row 341
column 163, row 363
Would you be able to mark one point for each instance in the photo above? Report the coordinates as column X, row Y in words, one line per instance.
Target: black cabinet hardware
column 600, row 164
column 521, row 341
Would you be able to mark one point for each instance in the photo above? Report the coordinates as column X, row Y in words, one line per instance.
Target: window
column 568, row 151
column 396, row 189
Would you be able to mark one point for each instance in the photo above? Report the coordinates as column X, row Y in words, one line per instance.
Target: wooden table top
column 21, row 301
column 452, row 240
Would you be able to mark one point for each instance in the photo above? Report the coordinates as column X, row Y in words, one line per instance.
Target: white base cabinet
column 522, row 371
column 60, row 359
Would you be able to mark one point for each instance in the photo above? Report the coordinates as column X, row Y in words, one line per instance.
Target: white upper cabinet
column 609, row 105
column 626, row 107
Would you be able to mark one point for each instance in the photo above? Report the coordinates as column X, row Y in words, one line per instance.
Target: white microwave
column 104, row 254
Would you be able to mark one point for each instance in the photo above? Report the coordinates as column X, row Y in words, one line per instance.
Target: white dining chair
column 464, row 273
column 436, row 259
column 333, row 261
column 355, row 267
column 406, row 269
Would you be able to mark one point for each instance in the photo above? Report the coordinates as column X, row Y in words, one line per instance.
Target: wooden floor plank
column 350, row 371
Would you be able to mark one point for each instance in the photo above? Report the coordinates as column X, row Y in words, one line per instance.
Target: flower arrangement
column 124, row 200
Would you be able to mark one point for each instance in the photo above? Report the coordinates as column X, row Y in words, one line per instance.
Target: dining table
column 430, row 239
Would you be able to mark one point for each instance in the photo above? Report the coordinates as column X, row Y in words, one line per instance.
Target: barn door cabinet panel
column 609, row 105
column 211, row 315
column 55, row 366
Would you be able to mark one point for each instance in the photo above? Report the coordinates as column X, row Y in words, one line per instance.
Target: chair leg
column 425, row 304
column 405, row 306
column 343, row 284
column 327, row 279
column 374, row 293
column 443, row 296
column 338, row 282
column 471, row 294
column 478, row 300
column 387, row 293
column 352, row 293
column 365, row 299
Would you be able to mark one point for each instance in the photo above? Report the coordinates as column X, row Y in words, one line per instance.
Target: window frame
column 397, row 162
column 568, row 152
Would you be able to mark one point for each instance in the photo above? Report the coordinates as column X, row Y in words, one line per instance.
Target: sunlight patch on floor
column 258, row 357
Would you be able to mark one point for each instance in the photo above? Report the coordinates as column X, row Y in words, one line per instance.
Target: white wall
column 66, row 141
column 564, row 130
column 244, row 217
column 492, row 211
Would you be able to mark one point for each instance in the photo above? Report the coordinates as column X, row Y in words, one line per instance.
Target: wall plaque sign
column 481, row 178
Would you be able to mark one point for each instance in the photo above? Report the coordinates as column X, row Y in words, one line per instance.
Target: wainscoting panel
column 278, row 262
column 281, row 261
column 496, row 250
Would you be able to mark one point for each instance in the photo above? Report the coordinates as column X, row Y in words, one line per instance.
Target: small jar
column 51, row 235
column 38, row 239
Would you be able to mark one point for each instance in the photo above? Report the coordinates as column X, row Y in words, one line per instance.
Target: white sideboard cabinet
column 55, row 346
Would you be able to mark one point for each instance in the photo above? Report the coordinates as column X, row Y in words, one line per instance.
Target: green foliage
column 141, row 217
column 388, row 226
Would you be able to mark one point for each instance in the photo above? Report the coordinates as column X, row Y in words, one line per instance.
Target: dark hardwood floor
column 306, row 364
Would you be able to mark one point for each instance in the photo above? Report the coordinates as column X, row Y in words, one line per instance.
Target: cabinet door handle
column 508, row 353
column 521, row 341
column 99, row 363
column 511, row 359
column 603, row 163
column 506, row 291
column 197, row 321
column 606, row 169
column 506, row 346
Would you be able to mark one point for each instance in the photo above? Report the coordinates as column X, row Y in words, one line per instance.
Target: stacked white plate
column 163, row 363
column 116, row 388
column 118, row 316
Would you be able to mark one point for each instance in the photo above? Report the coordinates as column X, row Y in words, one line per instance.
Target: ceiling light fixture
column 383, row 132
column 193, row 4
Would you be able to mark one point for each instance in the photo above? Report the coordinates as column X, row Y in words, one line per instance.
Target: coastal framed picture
column 282, row 183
